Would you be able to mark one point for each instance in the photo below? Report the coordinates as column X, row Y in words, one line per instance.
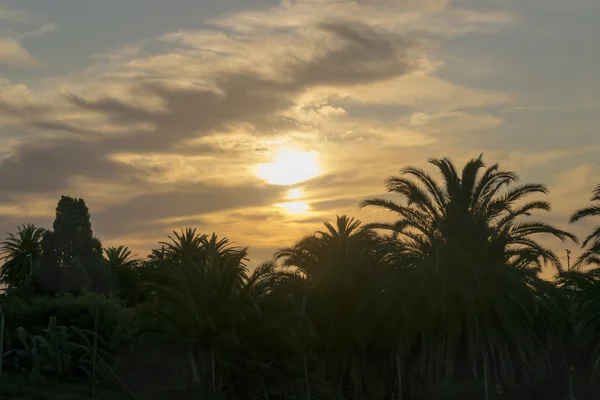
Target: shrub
column 33, row 314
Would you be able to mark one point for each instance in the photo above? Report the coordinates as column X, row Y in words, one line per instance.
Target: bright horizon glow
column 289, row 167
column 295, row 207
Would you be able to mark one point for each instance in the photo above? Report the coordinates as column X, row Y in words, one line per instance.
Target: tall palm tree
column 204, row 293
column 469, row 288
column 584, row 290
column 20, row 252
column 342, row 266
column 591, row 254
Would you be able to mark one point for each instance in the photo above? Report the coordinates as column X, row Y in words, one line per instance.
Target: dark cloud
column 189, row 112
column 364, row 55
column 335, row 204
column 10, row 223
column 46, row 167
column 197, row 199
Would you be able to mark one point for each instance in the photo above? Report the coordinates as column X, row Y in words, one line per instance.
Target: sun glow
column 295, row 207
column 294, row 194
column 290, row 167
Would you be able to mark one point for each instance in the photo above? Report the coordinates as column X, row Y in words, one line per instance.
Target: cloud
column 11, row 14
column 47, row 166
column 175, row 207
column 438, row 17
column 165, row 133
column 13, row 54
column 423, row 91
column 359, row 55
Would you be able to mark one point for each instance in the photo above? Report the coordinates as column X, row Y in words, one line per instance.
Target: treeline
column 446, row 302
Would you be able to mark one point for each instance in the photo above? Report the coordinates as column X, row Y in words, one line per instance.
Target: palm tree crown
column 471, row 219
column 20, row 252
column 329, row 252
column 592, row 253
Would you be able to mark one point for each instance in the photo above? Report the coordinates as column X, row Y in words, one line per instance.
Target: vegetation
column 445, row 302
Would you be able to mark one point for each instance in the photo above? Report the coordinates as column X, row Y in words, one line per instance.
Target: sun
column 289, row 167
column 294, row 194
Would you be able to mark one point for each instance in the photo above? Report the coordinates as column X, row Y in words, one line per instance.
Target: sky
column 260, row 119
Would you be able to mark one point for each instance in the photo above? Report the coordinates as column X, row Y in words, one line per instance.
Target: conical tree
column 72, row 257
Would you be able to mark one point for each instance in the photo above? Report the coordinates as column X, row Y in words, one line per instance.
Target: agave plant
column 56, row 352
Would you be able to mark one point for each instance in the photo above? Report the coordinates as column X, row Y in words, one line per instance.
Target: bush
column 33, row 314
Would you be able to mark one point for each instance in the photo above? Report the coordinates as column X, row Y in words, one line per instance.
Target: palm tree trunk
column 571, row 389
column 485, row 377
column 193, row 365
column 356, row 379
column 399, row 375
column 304, row 360
column 1, row 340
column 214, row 380
column 95, row 353
column 306, row 380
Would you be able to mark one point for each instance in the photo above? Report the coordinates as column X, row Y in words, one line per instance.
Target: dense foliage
column 446, row 302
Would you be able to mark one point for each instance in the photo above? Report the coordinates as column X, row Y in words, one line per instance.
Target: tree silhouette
column 591, row 254
column 342, row 265
column 21, row 253
column 445, row 300
column 123, row 267
column 72, row 257
column 203, row 294
column 471, row 292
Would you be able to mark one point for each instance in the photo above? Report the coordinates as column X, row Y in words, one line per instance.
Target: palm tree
column 592, row 242
column 204, row 294
column 185, row 245
column 123, row 267
column 469, row 286
column 120, row 257
column 326, row 254
column 584, row 290
column 20, row 252
column 471, row 218
column 342, row 266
